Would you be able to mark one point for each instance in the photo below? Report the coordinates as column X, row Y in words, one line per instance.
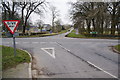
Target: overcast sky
column 62, row 6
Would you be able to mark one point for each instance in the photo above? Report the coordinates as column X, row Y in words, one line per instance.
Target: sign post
column 14, row 45
column 12, row 26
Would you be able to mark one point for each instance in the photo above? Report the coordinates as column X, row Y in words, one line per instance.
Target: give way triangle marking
column 50, row 51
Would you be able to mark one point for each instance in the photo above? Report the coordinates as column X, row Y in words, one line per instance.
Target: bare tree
column 114, row 12
column 54, row 13
column 100, row 15
column 31, row 7
column 58, row 25
column 9, row 7
column 23, row 6
column 40, row 24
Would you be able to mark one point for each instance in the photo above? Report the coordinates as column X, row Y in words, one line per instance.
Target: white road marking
column 16, row 42
column 63, row 47
column 6, row 42
column 53, row 52
column 52, row 42
column 47, row 42
column 25, row 42
column 35, row 42
column 102, row 69
column 91, row 63
column 30, row 64
column 42, row 42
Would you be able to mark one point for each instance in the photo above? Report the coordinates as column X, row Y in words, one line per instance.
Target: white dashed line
column 35, row 42
column 6, row 42
column 52, row 42
column 25, row 42
column 42, row 42
column 101, row 69
column 16, row 42
column 92, row 64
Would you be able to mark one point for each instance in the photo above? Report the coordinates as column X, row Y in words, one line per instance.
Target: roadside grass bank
column 38, row 34
column 117, row 47
column 74, row 35
column 8, row 59
column 0, row 60
column 63, row 31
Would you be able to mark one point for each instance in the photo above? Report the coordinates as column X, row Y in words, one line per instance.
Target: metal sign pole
column 14, row 45
column 12, row 26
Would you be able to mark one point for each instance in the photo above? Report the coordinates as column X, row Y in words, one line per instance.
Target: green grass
column 63, row 31
column 43, row 35
column 117, row 47
column 0, row 58
column 40, row 35
column 8, row 59
column 73, row 35
column 49, row 34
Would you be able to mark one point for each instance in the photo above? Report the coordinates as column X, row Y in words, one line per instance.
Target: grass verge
column 63, row 31
column 73, row 35
column 40, row 35
column 117, row 47
column 0, row 60
column 8, row 59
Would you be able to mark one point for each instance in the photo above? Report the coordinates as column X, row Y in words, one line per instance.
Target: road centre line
column 25, row 42
column 50, row 42
column 101, row 69
column 16, row 42
column 5, row 42
column 90, row 63
column 42, row 42
column 35, row 42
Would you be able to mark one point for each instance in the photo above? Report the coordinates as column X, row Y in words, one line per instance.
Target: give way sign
column 11, row 25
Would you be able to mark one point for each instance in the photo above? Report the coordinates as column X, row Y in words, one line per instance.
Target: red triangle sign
column 11, row 25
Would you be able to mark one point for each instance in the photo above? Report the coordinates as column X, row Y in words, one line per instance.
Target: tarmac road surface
column 61, row 57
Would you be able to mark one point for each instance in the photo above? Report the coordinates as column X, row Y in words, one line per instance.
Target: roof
column 46, row 25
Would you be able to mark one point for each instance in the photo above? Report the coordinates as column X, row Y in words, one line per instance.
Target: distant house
column 34, row 29
column 46, row 27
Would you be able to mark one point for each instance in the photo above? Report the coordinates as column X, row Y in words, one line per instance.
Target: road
column 72, row 58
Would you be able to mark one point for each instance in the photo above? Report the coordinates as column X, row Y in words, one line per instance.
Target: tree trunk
column 5, row 17
column 106, row 27
column 113, row 22
column 88, row 26
column 101, row 30
column 93, row 23
column 24, row 27
column 53, row 24
column 113, row 28
column 22, row 19
column 113, row 25
column 98, row 25
column 13, row 12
